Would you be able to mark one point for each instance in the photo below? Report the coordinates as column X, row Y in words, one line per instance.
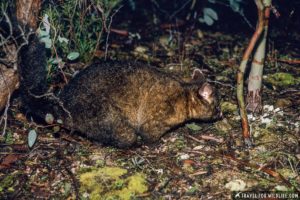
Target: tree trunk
column 258, row 38
column 27, row 12
column 9, row 82
column 254, row 102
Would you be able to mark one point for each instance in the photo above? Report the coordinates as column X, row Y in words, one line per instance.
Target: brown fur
column 117, row 103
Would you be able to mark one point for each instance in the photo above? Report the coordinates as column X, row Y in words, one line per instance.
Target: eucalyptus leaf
column 193, row 126
column 59, row 121
column 47, row 41
column 43, row 33
column 208, row 20
column 55, row 60
column 235, row 5
column 73, row 55
column 63, row 40
column 211, row 13
column 32, row 136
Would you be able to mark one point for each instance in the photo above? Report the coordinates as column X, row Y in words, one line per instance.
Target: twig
column 180, row 9
column 11, row 38
column 288, row 61
column 4, row 116
column 258, row 167
column 205, row 137
column 108, row 31
column 60, row 103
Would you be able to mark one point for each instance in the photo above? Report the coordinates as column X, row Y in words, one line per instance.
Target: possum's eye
column 206, row 92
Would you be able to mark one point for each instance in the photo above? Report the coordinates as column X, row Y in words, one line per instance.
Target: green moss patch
column 282, row 79
column 111, row 183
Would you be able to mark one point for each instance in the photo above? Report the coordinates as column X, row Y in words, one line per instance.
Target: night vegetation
column 151, row 60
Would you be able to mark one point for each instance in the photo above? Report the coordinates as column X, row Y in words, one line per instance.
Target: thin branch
column 4, row 116
column 108, row 30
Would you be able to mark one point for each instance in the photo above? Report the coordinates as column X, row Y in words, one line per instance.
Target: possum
column 116, row 103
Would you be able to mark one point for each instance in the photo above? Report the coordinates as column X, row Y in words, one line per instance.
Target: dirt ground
column 196, row 161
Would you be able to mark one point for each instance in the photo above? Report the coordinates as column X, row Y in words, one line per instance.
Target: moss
column 112, row 183
column 7, row 184
column 228, row 107
column 282, row 79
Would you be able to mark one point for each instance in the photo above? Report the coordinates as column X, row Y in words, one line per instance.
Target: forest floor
column 196, row 161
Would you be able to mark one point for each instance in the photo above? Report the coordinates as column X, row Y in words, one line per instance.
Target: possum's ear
column 206, row 91
column 198, row 75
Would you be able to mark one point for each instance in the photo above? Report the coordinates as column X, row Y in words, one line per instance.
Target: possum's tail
column 32, row 64
column 33, row 80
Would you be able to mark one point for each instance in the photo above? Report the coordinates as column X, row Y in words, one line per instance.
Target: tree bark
column 9, row 82
column 240, row 77
column 27, row 14
column 254, row 101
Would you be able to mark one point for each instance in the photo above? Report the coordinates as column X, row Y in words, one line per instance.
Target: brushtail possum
column 116, row 102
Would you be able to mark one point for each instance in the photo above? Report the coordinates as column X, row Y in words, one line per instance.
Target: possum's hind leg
column 123, row 135
column 118, row 134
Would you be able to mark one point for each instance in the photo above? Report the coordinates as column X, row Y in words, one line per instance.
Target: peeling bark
column 254, row 96
column 254, row 101
column 28, row 11
column 9, row 82
column 241, row 73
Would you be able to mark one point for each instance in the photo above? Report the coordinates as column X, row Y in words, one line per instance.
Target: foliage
column 282, row 79
column 76, row 26
column 32, row 136
column 210, row 15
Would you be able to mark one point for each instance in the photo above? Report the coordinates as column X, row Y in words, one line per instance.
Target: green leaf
column 46, row 24
column 235, row 5
column 63, row 40
column 193, row 127
column 73, row 55
column 209, row 16
column 282, row 79
column 208, row 20
column 211, row 13
column 68, row 188
column 49, row 118
column 43, row 33
column 32, row 136
column 47, row 41
column 55, row 61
